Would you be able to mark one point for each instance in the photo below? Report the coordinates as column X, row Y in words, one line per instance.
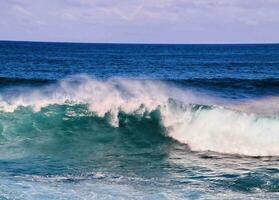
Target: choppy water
column 100, row 121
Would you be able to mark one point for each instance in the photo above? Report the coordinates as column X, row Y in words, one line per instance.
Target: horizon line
column 143, row 43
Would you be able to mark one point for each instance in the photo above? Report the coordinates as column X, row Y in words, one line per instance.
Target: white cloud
column 191, row 18
column 22, row 11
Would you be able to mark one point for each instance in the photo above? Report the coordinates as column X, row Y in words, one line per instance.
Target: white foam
column 216, row 129
column 226, row 131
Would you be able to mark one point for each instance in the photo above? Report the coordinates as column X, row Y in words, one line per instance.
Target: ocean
column 139, row 121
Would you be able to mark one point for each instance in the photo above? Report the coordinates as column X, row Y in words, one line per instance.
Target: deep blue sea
column 139, row 121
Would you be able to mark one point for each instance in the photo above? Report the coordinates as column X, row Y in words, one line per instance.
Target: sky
column 141, row 21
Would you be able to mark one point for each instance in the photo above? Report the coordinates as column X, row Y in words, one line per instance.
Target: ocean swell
column 198, row 120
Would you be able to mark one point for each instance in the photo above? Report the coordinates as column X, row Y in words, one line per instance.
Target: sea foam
column 198, row 120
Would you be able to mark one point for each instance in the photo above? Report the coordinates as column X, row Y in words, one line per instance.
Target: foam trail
column 190, row 118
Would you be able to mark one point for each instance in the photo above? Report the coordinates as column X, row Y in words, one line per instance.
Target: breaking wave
column 198, row 120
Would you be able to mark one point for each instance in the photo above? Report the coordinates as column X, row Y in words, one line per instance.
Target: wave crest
column 188, row 117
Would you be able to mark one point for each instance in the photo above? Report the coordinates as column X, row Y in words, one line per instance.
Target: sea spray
column 190, row 118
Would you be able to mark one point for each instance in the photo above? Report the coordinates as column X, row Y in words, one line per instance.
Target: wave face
column 199, row 121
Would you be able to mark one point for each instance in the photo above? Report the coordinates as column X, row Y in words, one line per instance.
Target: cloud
column 22, row 11
column 141, row 20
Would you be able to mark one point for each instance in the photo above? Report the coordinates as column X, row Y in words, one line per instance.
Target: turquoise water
column 155, row 122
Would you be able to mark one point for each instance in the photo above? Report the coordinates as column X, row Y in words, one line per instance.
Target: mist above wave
column 198, row 120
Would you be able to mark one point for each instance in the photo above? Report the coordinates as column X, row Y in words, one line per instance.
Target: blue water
column 127, row 121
